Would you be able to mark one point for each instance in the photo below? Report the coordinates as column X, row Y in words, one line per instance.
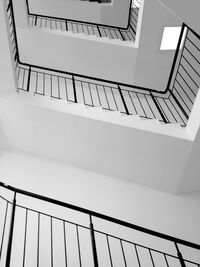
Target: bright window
column 170, row 38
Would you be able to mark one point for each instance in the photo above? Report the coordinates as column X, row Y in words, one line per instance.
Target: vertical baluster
column 123, row 38
column 79, row 249
column 114, row 99
column 36, row 82
column 24, row 73
column 25, row 234
column 90, row 94
column 166, row 260
column 51, row 223
column 158, row 108
column 111, row 263
column 100, row 35
column 4, row 226
column 106, row 97
column 139, row 100
column 66, row 26
column 66, row 89
column 10, row 237
column 94, row 249
column 29, row 77
column 74, row 88
column 38, row 241
column 58, row 87
column 83, row 93
column 98, row 95
column 182, row 262
column 44, row 75
column 123, row 100
column 65, row 243
column 137, row 255
column 51, row 86
column 151, row 258
column 123, row 253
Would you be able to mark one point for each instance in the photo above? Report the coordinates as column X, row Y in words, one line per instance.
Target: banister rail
column 101, row 216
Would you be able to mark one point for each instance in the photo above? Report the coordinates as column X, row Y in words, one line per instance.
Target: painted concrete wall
column 144, row 157
column 66, row 52
column 190, row 181
column 114, row 14
column 189, row 13
column 152, row 65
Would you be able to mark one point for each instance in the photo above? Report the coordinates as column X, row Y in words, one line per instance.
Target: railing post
column 10, row 237
column 123, row 100
column 74, row 88
column 36, row 20
column 158, row 108
column 182, row 262
column 66, row 26
column 29, row 78
column 94, row 249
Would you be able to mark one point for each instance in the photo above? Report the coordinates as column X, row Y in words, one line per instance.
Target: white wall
column 152, row 65
column 114, row 14
column 149, row 158
column 190, row 181
column 189, row 13
column 87, row 56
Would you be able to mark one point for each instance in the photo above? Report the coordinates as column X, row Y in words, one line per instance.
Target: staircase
column 170, row 107
column 40, row 231
column 79, row 27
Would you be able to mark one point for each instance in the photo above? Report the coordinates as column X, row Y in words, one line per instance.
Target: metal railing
column 184, row 79
column 28, row 231
column 174, row 105
column 93, row 93
column 87, row 28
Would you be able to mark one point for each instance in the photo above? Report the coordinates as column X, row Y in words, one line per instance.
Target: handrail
column 101, row 216
column 80, row 21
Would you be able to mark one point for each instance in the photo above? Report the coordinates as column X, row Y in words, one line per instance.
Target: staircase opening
column 172, row 106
